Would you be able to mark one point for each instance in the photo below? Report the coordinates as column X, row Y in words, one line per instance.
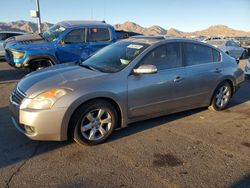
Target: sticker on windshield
column 135, row 46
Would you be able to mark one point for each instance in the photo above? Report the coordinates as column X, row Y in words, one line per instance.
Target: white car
column 230, row 47
column 5, row 35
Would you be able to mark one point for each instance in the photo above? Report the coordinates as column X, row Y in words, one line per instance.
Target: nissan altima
column 131, row 80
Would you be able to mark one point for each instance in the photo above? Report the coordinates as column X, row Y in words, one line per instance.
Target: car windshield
column 53, row 33
column 115, row 57
column 216, row 42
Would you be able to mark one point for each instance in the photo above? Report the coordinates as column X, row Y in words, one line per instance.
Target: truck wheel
column 93, row 122
column 39, row 64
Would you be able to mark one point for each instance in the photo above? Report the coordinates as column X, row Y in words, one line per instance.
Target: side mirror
column 145, row 69
column 61, row 42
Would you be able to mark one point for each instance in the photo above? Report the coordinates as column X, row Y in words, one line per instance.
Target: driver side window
column 164, row 57
column 75, row 36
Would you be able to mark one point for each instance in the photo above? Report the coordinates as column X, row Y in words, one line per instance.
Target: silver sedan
column 230, row 47
column 131, row 80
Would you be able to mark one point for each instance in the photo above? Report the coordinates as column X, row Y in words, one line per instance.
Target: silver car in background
column 5, row 35
column 247, row 68
column 230, row 47
column 131, row 80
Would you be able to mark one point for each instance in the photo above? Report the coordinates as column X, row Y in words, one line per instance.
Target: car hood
column 26, row 42
column 57, row 76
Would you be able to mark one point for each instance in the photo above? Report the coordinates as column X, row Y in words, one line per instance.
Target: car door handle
column 81, row 47
column 218, row 70
column 178, row 79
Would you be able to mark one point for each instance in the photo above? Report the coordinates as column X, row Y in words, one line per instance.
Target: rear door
column 73, row 46
column 97, row 38
column 162, row 92
column 203, row 72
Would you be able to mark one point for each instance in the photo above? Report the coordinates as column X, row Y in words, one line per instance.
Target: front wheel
column 221, row 97
column 93, row 122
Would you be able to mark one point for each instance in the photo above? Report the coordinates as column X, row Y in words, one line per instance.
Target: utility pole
column 38, row 17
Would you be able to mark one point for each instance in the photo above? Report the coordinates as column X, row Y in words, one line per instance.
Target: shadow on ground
column 11, row 75
column 151, row 123
column 242, row 183
column 16, row 147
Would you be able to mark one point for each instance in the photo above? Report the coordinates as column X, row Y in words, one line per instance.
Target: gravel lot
column 198, row 148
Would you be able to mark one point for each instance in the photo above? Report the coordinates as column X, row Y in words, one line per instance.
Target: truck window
column 98, row 35
column 75, row 36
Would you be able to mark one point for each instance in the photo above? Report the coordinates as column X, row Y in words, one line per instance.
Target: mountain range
column 216, row 30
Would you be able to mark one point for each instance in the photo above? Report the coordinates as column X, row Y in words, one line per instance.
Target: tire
column 93, row 122
column 221, row 97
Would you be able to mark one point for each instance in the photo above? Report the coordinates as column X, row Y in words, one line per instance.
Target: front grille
column 17, row 96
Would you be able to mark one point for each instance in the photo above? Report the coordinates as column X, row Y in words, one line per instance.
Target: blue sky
column 185, row 15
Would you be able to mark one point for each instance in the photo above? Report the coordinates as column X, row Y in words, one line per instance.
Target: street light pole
column 38, row 17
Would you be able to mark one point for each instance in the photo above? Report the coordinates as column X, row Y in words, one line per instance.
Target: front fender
column 27, row 61
column 85, row 98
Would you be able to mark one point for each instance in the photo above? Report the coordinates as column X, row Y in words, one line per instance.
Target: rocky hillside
column 217, row 30
column 220, row 30
column 23, row 26
column 130, row 26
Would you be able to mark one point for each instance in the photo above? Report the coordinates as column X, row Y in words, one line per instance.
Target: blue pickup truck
column 67, row 41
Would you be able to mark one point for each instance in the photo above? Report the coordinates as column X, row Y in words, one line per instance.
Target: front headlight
column 17, row 55
column 44, row 100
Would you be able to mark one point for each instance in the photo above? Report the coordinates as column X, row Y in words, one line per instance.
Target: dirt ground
column 198, row 148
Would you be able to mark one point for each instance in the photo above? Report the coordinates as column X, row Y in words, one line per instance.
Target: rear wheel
column 221, row 97
column 93, row 122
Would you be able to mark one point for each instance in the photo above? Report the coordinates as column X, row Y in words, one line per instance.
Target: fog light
column 29, row 129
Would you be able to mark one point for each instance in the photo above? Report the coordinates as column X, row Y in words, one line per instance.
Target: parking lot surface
column 198, row 148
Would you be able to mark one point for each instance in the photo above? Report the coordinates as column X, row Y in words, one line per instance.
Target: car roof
column 12, row 32
column 77, row 23
column 159, row 39
column 219, row 40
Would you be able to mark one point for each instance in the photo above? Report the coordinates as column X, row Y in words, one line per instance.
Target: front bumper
column 39, row 124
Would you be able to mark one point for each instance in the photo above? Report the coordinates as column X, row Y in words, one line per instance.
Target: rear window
column 196, row 54
column 98, row 35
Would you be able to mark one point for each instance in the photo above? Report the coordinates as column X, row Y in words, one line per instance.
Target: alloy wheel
column 223, row 96
column 96, row 124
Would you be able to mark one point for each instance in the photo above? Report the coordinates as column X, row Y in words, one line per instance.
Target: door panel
column 155, row 93
column 73, row 47
column 203, row 79
column 202, row 73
